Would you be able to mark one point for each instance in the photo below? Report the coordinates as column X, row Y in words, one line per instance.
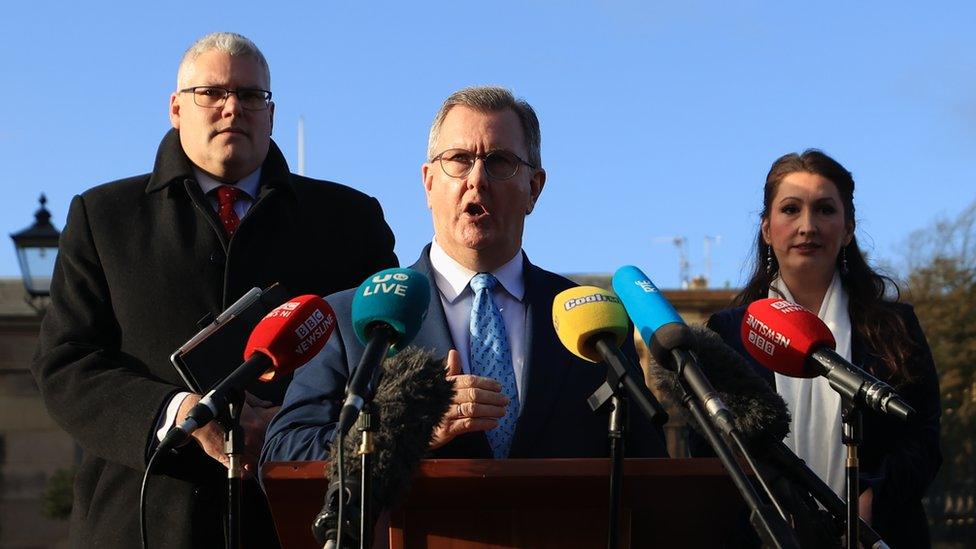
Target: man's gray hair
column 225, row 42
column 487, row 99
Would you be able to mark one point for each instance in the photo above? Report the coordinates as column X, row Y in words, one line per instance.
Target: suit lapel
column 434, row 334
column 543, row 360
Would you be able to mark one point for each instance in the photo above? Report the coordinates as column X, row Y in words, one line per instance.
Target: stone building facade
column 32, row 446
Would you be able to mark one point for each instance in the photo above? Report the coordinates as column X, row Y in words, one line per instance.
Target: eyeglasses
column 499, row 165
column 213, row 97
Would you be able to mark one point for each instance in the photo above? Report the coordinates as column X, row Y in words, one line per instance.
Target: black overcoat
column 141, row 261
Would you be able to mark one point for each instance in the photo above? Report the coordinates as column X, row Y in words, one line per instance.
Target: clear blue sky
column 657, row 120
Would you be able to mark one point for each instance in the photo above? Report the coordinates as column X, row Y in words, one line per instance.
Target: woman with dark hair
column 806, row 252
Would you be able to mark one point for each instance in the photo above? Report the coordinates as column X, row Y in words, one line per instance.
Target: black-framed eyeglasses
column 499, row 165
column 213, row 97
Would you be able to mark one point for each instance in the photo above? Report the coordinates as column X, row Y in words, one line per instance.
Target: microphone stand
column 694, row 381
column 234, row 448
column 617, row 373
column 797, row 470
column 616, row 432
column 772, row 529
column 618, row 419
column 366, row 450
column 619, row 377
column 376, row 349
column 851, row 417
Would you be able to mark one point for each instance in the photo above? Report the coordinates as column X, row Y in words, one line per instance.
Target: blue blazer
column 897, row 460
column 555, row 421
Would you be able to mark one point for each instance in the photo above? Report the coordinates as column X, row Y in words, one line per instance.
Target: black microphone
column 412, row 397
column 760, row 413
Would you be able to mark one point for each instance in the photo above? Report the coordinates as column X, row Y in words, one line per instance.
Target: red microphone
column 788, row 339
column 291, row 334
column 286, row 338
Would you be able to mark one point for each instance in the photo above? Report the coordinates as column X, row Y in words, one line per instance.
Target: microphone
column 763, row 419
column 412, row 397
column 387, row 311
column 671, row 343
column 668, row 338
column 283, row 340
column 761, row 415
column 792, row 341
column 592, row 324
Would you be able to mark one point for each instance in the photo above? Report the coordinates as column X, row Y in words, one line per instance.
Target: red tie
column 226, row 197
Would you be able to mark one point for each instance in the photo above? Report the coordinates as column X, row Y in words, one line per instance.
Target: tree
column 58, row 494
column 941, row 283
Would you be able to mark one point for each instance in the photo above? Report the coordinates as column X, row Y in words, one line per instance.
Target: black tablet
column 218, row 349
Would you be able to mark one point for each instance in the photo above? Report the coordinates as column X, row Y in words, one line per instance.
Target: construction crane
column 684, row 266
column 681, row 243
column 708, row 255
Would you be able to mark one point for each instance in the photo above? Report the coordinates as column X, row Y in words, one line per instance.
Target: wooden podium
column 529, row 503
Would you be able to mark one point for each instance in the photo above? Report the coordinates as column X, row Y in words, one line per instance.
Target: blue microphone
column 648, row 309
column 669, row 340
column 388, row 309
column 672, row 344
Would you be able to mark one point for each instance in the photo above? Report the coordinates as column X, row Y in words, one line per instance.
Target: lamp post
column 37, row 248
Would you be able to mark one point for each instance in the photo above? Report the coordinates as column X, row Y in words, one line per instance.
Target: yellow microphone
column 592, row 324
column 582, row 314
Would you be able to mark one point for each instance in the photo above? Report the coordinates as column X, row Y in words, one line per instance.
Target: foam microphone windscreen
column 760, row 413
column 781, row 336
column 412, row 397
column 582, row 313
column 397, row 298
column 291, row 334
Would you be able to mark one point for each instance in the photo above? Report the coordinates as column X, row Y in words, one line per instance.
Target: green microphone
column 388, row 309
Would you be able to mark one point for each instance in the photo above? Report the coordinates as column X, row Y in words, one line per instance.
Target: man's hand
column 864, row 503
column 477, row 405
column 255, row 418
column 254, row 423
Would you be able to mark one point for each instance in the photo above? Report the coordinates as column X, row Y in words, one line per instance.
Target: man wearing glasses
column 143, row 260
column 519, row 392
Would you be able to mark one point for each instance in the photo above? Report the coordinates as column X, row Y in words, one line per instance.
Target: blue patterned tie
column 491, row 356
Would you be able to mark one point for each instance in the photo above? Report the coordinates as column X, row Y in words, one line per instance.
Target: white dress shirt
column 452, row 281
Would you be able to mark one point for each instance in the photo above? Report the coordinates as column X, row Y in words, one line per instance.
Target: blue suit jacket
column 555, row 420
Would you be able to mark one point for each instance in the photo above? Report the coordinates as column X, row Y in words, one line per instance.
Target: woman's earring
column 843, row 261
column 769, row 260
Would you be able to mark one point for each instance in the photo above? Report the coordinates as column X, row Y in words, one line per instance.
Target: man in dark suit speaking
column 519, row 392
column 142, row 260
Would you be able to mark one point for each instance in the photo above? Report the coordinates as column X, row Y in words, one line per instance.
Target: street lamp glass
column 37, row 265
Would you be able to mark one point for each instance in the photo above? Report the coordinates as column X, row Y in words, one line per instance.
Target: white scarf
column 815, row 408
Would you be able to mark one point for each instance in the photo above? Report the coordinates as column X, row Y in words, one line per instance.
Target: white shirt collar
column 248, row 184
column 452, row 278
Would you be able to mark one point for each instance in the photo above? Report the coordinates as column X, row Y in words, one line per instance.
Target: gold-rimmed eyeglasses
column 499, row 165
